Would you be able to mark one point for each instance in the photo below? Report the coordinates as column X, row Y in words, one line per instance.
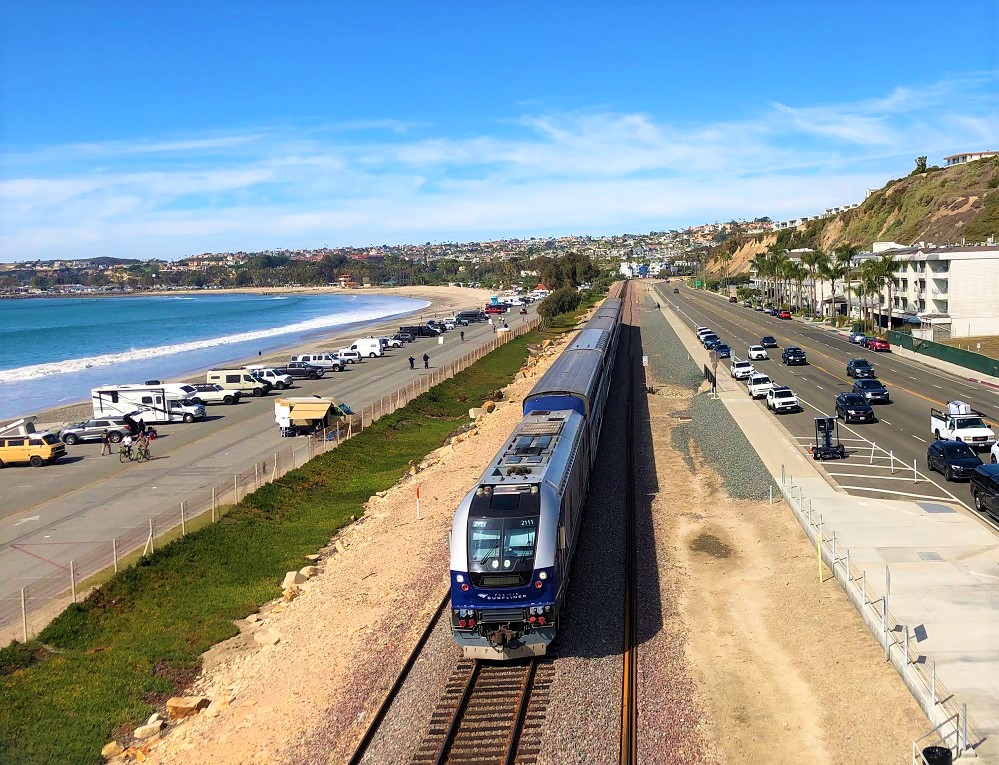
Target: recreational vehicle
column 149, row 403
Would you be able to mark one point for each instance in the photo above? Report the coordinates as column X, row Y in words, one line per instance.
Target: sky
column 170, row 129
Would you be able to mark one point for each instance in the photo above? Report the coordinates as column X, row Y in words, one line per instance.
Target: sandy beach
column 444, row 301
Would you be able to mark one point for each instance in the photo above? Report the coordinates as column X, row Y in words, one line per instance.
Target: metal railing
column 25, row 613
column 874, row 605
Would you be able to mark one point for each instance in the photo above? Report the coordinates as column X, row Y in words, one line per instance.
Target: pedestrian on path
column 412, row 363
column 462, row 335
column 106, row 442
column 426, row 361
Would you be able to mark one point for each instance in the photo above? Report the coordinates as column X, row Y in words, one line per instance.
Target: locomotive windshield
column 502, row 547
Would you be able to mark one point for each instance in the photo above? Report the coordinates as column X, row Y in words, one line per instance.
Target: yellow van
column 36, row 449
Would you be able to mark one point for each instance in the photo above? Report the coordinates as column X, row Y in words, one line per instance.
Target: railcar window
column 507, row 542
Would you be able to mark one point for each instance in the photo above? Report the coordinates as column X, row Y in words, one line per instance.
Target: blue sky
column 142, row 130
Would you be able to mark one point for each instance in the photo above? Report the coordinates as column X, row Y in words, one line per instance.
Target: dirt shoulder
column 784, row 666
column 343, row 639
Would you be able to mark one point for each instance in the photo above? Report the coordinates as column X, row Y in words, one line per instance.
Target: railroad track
column 629, row 690
column 490, row 714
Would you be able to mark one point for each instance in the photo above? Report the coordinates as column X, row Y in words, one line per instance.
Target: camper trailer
column 149, row 403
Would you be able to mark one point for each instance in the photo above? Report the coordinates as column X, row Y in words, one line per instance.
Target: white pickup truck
column 962, row 423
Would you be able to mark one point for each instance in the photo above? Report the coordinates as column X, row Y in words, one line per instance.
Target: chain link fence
column 25, row 613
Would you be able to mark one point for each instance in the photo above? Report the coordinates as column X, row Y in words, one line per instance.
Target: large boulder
column 149, row 730
column 111, row 750
column 291, row 579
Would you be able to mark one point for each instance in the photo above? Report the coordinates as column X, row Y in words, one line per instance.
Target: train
column 514, row 533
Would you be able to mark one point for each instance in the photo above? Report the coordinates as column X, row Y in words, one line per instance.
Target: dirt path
column 786, row 668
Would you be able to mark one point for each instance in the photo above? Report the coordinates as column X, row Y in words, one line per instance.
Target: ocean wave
column 36, row 371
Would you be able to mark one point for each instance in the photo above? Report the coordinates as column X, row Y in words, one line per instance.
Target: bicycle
column 125, row 453
column 142, row 454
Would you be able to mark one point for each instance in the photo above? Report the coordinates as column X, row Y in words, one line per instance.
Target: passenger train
column 513, row 534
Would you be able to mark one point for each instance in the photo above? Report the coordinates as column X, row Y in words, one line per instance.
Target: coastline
column 443, row 301
column 404, row 291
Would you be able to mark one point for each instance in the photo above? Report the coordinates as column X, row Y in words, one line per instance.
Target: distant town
column 490, row 264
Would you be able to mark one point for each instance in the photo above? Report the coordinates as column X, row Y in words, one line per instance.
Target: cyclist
column 142, row 443
column 126, row 445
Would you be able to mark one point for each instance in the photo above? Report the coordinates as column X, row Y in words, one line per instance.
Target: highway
column 880, row 454
column 58, row 513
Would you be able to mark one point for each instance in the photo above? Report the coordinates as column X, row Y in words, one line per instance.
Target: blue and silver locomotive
column 514, row 533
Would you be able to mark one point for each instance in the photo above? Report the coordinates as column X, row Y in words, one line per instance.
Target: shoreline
column 288, row 290
column 442, row 300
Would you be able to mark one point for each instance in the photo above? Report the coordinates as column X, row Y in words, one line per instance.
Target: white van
column 368, row 346
column 242, row 380
column 327, row 361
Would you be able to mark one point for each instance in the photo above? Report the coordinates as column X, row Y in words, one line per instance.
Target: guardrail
column 938, row 703
column 25, row 613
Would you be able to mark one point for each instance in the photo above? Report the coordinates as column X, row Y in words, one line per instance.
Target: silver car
column 91, row 430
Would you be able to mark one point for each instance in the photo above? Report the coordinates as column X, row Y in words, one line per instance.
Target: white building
column 953, row 289
column 969, row 156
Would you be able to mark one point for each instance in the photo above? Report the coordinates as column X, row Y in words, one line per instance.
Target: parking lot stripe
column 896, row 493
column 880, row 477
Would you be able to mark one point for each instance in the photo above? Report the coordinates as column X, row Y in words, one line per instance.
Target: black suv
column 853, row 406
column 301, row 370
column 793, row 355
column 859, row 368
column 955, row 459
column 985, row 489
column 406, row 337
column 873, row 390
column 768, row 341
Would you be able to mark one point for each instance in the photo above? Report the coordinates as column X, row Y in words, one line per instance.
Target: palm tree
column 797, row 272
column 869, row 287
column 846, row 254
column 779, row 265
column 810, row 260
column 822, row 268
column 761, row 264
column 886, row 267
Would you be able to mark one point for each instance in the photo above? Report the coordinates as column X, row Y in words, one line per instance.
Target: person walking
column 105, row 442
column 462, row 335
column 426, row 361
column 412, row 363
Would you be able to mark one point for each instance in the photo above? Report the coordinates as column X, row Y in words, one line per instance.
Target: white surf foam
column 36, row 371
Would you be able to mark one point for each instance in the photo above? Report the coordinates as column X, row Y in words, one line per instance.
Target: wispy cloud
column 388, row 180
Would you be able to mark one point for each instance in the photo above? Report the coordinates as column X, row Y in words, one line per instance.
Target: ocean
column 54, row 350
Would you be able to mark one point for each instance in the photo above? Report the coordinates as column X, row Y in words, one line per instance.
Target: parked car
column 857, row 338
column 793, row 356
column 348, row 355
column 879, row 344
column 274, row 377
column 741, row 369
column 404, row 337
column 852, row 407
column 873, row 390
column 955, row 459
column 302, row 370
column 710, row 341
column 391, row 342
column 723, row 351
column 784, row 315
column 985, row 489
column 782, row 399
column 676, row 290
column 733, row 300
column 450, row 322
column 994, row 453
column 759, row 385
column 35, row 449
column 768, row 341
column 495, row 309
column 324, row 360
column 859, row 369
column 213, row 393
column 759, row 307
column 702, row 331
column 758, row 353
column 91, row 430
column 748, row 304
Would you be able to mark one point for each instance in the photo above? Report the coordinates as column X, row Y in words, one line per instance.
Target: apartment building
column 953, row 290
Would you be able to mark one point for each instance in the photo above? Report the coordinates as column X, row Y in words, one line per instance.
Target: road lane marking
column 885, row 421
column 896, row 493
column 28, row 520
column 817, row 386
column 936, row 386
column 917, row 437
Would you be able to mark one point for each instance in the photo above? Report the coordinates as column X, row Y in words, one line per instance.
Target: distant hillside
column 942, row 206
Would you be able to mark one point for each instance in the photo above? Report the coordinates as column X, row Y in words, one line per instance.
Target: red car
column 877, row 344
column 784, row 315
column 495, row 309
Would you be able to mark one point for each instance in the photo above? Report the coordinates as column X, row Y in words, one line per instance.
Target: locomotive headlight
column 459, row 578
column 543, row 575
column 495, row 564
column 534, row 490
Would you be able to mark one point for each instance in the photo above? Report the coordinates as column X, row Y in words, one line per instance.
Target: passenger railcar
column 514, row 533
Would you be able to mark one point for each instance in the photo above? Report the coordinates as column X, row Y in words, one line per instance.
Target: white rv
column 149, row 403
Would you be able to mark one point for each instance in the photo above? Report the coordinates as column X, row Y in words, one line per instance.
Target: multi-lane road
column 882, row 453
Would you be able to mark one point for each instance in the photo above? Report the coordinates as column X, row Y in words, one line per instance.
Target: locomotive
column 514, row 533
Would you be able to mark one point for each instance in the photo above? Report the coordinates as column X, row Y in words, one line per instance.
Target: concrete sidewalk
column 938, row 566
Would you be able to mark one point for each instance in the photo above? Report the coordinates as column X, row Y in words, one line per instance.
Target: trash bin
column 937, row 755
